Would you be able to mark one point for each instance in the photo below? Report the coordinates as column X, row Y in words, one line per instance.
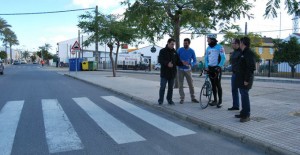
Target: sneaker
column 244, row 119
column 195, row 100
column 181, row 101
column 171, row 102
column 233, row 108
column 213, row 103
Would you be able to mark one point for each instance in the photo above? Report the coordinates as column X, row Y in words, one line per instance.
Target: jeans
column 163, row 83
column 234, row 92
column 189, row 79
column 245, row 102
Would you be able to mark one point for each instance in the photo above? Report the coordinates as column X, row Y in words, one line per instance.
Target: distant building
column 151, row 51
column 266, row 50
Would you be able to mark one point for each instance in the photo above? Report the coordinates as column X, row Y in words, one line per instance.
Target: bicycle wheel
column 205, row 95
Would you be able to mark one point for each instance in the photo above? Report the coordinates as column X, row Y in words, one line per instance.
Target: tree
column 112, row 30
column 3, row 55
column 155, row 19
column 10, row 38
column 3, row 25
column 33, row 58
column 288, row 51
column 25, row 54
column 292, row 7
column 44, row 52
column 256, row 40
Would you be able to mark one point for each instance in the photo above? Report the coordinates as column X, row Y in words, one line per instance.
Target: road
column 42, row 112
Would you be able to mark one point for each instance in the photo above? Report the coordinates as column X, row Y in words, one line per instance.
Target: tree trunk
column 293, row 71
column 112, row 59
column 117, row 53
column 177, row 38
column 10, row 52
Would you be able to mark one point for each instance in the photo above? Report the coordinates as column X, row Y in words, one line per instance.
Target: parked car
column 34, row 62
column 16, row 62
column 23, row 62
column 1, row 67
column 227, row 68
column 157, row 66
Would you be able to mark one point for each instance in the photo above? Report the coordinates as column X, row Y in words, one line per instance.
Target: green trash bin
column 92, row 65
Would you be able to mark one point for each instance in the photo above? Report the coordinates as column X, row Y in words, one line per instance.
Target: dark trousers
column 163, row 83
column 235, row 92
column 245, row 102
column 215, row 79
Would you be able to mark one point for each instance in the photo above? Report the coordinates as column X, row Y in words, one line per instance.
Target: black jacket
column 167, row 55
column 246, row 68
column 234, row 59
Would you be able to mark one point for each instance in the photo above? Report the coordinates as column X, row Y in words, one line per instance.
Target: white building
column 65, row 52
column 147, row 52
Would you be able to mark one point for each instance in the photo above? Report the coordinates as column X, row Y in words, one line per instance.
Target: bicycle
column 206, row 92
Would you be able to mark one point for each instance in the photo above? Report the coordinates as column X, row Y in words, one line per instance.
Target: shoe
column 213, row 103
column 233, row 108
column 244, row 119
column 195, row 100
column 219, row 105
column 181, row 101
column 237, row 116
column 159, row 103
column 171, row 102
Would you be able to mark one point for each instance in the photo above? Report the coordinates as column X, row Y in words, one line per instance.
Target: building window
column 260, row 50
column 271, row 51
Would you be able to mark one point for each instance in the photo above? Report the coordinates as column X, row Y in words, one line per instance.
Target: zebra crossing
column 60, row 133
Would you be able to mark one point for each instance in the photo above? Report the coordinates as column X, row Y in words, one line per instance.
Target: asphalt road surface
column 42, row 112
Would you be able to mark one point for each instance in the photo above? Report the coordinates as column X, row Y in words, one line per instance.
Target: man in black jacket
column 245, row 77
column 169, row 59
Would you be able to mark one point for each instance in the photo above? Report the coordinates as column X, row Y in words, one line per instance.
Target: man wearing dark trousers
column 245, row 77
column 234, row 58
column 214, row 60
column 169, row 60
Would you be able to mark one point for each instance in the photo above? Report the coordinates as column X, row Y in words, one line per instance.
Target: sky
column 34, row 31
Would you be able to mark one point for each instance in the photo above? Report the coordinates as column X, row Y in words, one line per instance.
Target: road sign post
column 75, row 49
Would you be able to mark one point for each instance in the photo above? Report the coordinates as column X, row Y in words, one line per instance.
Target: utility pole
column 96, row 34
column 78, row 43
column 246, row 29
column 81, row 46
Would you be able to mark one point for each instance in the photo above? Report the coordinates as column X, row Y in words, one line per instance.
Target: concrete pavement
column 275, row 117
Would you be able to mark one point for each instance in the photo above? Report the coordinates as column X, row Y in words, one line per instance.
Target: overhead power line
column 38, row 13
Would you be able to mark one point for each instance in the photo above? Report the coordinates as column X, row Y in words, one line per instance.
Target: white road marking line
column 9, row 119
column 60, row 133
column 117, row 130
column 159, row 122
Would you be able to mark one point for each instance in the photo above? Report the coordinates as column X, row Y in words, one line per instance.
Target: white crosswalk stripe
column 9, row 118
column 60, row 133
column 159, row 122
column 117, row 130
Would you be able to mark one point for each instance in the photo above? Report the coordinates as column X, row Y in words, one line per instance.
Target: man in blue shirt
column 214, row 60
column 187, row 55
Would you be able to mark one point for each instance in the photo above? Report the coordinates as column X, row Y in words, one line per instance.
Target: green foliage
column 155, row 19
column 33, row 58
column 287, row 51
column 3, row 55
column 43, row 52
column 25, row 54
column 272, row 6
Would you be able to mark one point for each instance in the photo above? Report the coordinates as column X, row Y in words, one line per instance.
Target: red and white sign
column 75, row 46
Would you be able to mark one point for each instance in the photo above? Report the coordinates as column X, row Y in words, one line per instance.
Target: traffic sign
column 76, row 46
column 73, row 52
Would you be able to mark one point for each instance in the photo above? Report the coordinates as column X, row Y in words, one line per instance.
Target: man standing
column 187, row 55
column 244, row 77
column 214, row 60
column 234, row 58
column 168, row 58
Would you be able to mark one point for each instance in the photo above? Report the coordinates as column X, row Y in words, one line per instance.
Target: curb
column 223, row 77
column 266, row 147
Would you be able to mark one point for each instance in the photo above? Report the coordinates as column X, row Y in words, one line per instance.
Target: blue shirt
column 212, row 56
column 187, row 55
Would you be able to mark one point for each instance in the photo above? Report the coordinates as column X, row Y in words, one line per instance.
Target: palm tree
column 3, row 25
column 272, row 5
column 10, row 38
column 25, row 55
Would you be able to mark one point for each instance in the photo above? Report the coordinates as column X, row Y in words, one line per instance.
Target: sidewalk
column 275, row 118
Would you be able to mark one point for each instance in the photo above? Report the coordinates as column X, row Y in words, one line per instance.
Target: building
column 151, row 51
column 266, row 50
